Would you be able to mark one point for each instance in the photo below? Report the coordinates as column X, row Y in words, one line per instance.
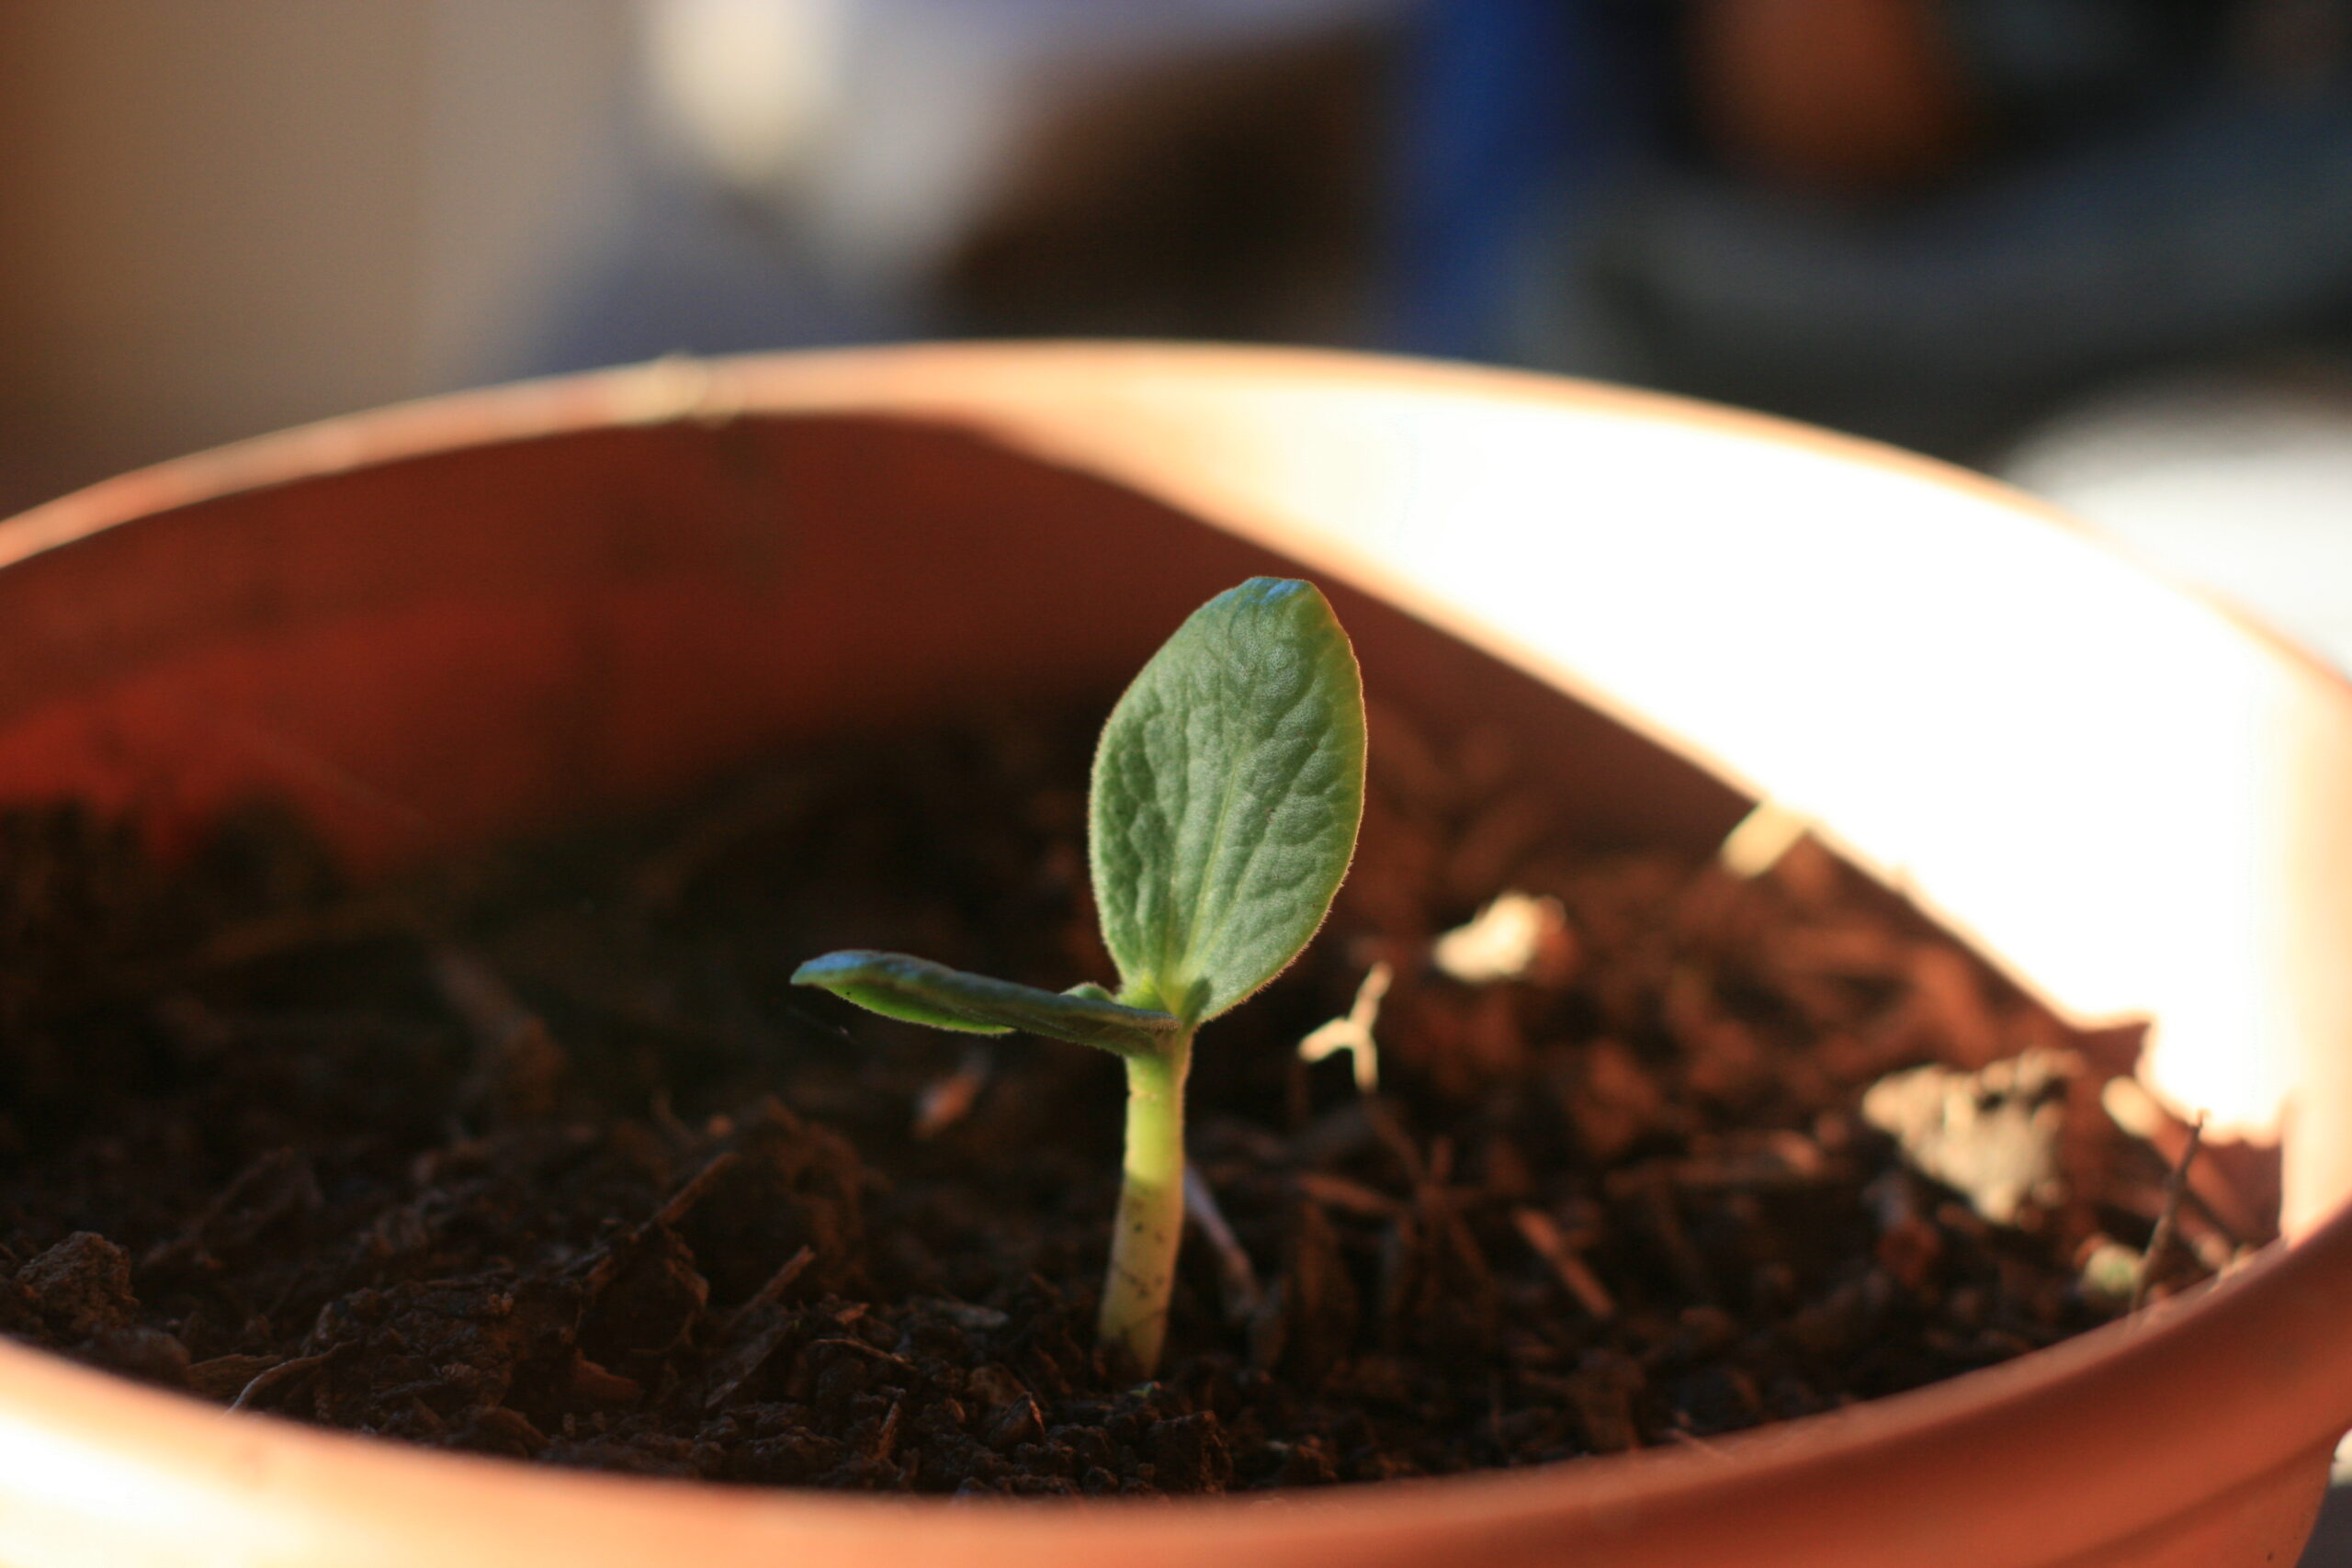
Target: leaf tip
column 825, row 970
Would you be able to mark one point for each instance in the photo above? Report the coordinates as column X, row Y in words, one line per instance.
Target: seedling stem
column 1229, row 785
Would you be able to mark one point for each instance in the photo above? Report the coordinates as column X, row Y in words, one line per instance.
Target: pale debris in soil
column 1518, row 936
column 1991, row 1135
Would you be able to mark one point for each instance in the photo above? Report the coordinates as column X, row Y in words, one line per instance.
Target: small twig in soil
column 2138, row 1114
column 274, row 1378
column 781, row 1280
column 1354, row 1197
column 2161, row 1237
column 887, row 1438
column 2192, row 1228
column 602, row 1385
column 875, row 1351
column 739, row 1364
column 736, row 1368
column 1237, row 1281
column 1543, row 1238
column 742, row 1363
column 696, row 1189
column 680, row 1205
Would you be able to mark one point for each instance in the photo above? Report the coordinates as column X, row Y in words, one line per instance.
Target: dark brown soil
column 541, row 1156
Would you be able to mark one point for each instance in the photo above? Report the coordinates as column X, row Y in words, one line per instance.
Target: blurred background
column 2101, row 247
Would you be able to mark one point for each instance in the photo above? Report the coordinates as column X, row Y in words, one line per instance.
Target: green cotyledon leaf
column 922, row 992
column 1229, row 786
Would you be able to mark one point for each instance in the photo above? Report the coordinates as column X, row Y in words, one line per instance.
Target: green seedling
column 1229, row 785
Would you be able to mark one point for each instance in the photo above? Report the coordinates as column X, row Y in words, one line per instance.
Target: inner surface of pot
column 425, row 654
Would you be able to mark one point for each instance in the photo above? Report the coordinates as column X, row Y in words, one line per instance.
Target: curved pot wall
column 434, row 625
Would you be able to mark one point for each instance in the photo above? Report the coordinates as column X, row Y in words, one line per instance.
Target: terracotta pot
column 435, row 624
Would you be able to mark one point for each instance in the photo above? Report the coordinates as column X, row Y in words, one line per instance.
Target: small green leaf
column 922, row 992
column 1227, row 790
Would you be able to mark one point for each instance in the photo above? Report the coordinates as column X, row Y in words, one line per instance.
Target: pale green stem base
column 1152, row 1207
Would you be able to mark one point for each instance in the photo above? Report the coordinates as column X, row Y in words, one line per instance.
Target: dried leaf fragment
column 1991, row 1135
column 1519, row 936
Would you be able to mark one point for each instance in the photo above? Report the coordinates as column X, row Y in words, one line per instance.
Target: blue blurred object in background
column 1511, row 118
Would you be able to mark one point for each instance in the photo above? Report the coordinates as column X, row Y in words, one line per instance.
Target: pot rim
column 886, row 380
column 2265, row 1330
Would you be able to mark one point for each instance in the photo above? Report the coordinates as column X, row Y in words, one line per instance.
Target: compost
column 537, row 1154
